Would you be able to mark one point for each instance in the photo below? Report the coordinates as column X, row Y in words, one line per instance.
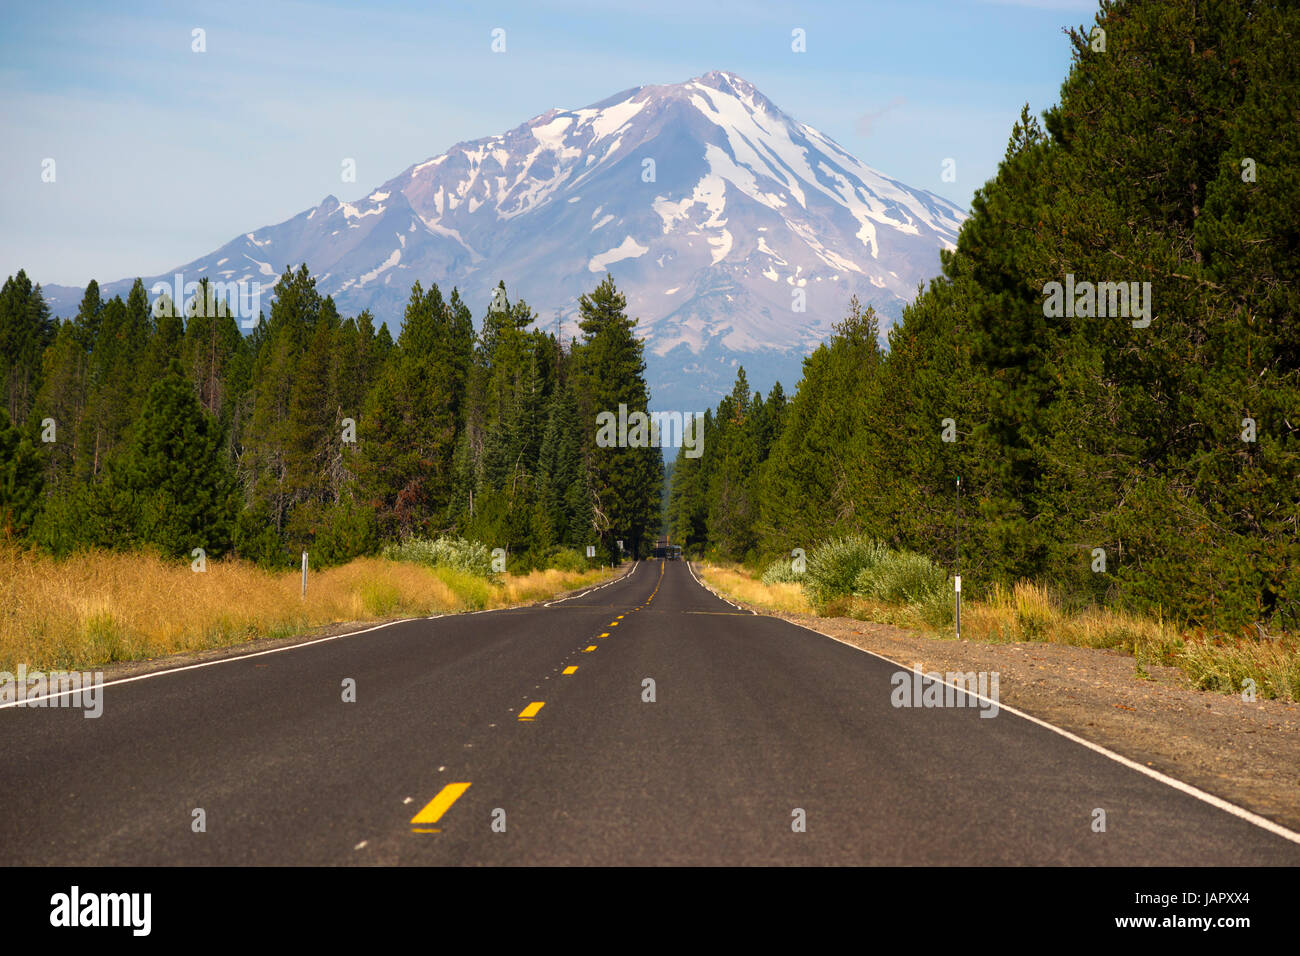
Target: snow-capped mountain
column 715, row 212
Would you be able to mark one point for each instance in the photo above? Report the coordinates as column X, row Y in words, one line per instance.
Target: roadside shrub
column 566, row 559
column 938, row 608
column 833, row 568
column 347, row 530
column 900, row 577
column 781, row 571
column 471, row 557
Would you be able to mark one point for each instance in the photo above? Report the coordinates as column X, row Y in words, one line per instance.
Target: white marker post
column 957, row 585
column 304, row 574
column 957, row 576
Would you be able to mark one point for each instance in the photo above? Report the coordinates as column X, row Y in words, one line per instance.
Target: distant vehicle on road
column 673, row 552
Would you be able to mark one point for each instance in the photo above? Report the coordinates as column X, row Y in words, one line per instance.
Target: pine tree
column 25, row 331
column 408, row 434
column 688, row 503
column 20, row 479
column 278, row 464
column 610, row 371
column 174, row 479
column 89, row 315
column 810, row 488
column 61, row 402
column 212, row 340
column 563, row 507
column 732, row 510
column 510, row 387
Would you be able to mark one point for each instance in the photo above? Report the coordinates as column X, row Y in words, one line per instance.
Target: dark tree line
column 141, row 423
column 1156, row 466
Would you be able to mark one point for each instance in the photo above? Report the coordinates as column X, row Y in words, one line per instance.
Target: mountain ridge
column 720, row 217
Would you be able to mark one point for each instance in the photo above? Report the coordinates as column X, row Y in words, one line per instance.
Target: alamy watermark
column 56, row 689
column 243, row 299
column 651, row 430
column 1122, row 300
column 954, row 689
column 76, row 908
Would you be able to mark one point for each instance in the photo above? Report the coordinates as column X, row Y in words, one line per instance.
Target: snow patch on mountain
column 384, row 266
column 629, row 248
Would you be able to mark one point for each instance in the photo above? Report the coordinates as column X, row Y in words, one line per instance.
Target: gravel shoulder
column 1246, row 753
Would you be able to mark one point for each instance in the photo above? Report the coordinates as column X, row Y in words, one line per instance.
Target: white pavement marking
column 223, row 660
column 624, row 577
column 715, row 593
column 1218, row 802
column 290, row 647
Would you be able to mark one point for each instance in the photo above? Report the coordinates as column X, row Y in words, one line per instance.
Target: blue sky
column 163, row 154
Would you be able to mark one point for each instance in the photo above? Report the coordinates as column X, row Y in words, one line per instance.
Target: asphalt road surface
column 474, row 740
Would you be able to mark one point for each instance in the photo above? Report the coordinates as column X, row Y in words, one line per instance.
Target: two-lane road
column 755, row 724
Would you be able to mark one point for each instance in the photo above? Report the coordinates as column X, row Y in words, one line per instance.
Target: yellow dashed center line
column 439, row 805
column 529, row 712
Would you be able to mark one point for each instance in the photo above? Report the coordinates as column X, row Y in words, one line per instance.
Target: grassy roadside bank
column 1029, row 613
column 99, row 608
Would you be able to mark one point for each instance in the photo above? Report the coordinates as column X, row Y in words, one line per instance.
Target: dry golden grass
column 1214, row 662
column 100, row 607
column 1029, row 612
column 739, row 585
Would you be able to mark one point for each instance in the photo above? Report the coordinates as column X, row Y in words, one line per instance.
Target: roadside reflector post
column 957, row 573
column 957, row 584
column 304, row 574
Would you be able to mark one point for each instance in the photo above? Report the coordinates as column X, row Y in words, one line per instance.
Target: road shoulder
column 1245, row 752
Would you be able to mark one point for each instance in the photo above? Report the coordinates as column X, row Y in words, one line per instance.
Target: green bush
column 347, row 530
column 781, row 571
column 900, row 577
column 257, row 540
column 833, row 567
column 566, row 559
column 939, row 608
column 471, row 557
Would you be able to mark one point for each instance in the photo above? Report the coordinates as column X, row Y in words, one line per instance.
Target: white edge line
column 222, row 660
column 28, row 701
column 1262, row 822
column 719, row 596
column 621, row 577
